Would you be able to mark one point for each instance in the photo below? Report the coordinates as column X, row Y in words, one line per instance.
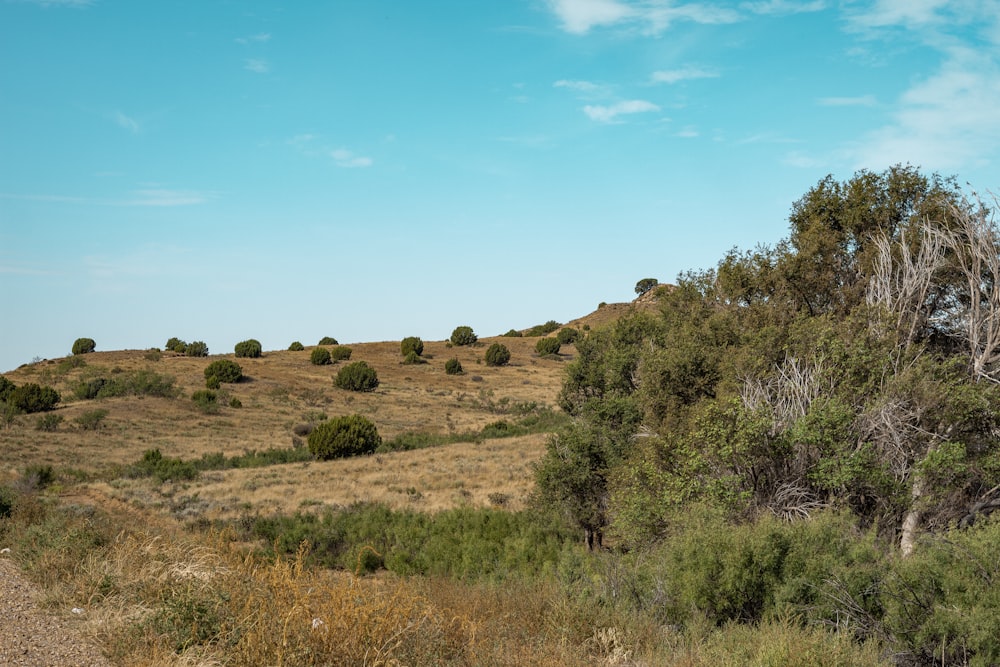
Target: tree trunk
column 908, row 533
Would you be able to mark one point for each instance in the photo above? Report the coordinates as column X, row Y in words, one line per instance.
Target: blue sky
column 373, row 169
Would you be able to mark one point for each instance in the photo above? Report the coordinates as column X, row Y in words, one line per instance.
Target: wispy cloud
column 861, row 101
column 141, row 197
column 649, row 16
column 261, row 37
column 610, row 114
column 884, row 13
column 77, row 4
column 126, row 122
column 689, row 132
column 684, row 74
column 345, row 158
column 781, row 7
column 257, row 65
column 579, row 86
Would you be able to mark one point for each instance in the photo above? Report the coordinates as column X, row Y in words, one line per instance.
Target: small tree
column 250, row 349
column 358, row 376
column 463, row 335
column 32, row 397
column 196, row 349
column 224, row 370
column 645, row 285
column 84, row 345
column 497, row 355
column 340, row 353
column 206, row 400
column 6, row 386
column 453, row 367
column 547, row 346
column 513, row 333
column 411, row 344
column 348, row 435
column 320, row 356
column 176, row 345
column 567, row 336
column 327, row 340
column 296, row 347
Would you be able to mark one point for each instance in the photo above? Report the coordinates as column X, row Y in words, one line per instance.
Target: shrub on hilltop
column 327, row 340
column 84, row 346
column 320, row 356
column 250, row 349
column 196, row 349
column 296, row 346
column 340, row 353
column 224, row 370
column 411, row 344
column 463, row 335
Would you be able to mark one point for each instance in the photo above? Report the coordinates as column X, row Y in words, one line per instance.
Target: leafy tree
column 296, row 346
column 6, row 386
column 497, row 355
column 453, row 367
column 196, row 349
column 348, row 435
column 327, row 340
column 84, row 346
column 645, row 285
column 176, row 345
column 358, row 376
column 248, row 348
column 320, row 356
column 567, row 336
column 543, row 329
column 547, row 346
column 340, row 353
column 411, row 344
column 31, row 397
column 463, row 335
column 224, row 370
column 513, row 333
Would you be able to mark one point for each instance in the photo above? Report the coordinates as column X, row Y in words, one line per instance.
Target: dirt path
column 30, row 637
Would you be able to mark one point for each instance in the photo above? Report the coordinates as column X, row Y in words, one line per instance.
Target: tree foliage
column 645, row 285
column 411, row 344
column 497, row 354
column 463, row 335
column 224, row 370
column 31, row 397
column 358, row 376
column 84, row 346
column 348, row 435
column 250, row 349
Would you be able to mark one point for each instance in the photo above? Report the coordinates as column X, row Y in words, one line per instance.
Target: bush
column 49, row 422
column 320, row 356
column 212, row 382
column 250, row 349
column 86, row 390
column 84, row 345
column 567, row 336
column 497, row 355
column 547, row 346
column 358, row 376
column 453, row 367
column 176, row 345
column 196, row 349
column 33, row 398
column 6, row 386
column 91, row 420
column 411, row 344
column 413, row 358
column 224, row 370
column 327, row 340
column 349, row 435
column 513, row 333
column 543, row 329
column 152, row 354
column 463, row 335
column 340, row 353
column 206, row 400
column 296, row 346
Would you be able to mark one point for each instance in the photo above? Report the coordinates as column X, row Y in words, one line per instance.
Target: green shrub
column 196, row 349
column 89, row 389
column 547, row 346
column 411, row 344
column 250, row 349
column 463, row 335
column 543, row 329
column 176, row 345
column 206, row 400
column 497, row 355
column 84, row 346
column 567, row 336
column 224, row 370
column 340, row 353
column 320, row 356
column 453, row 367
column 49, row 422
column 358, row 376
column 91, row 420
column 6, row 386
column 32, row 397
column 413, row 358
column 296, row 346
column 349, row 435
column 152, row 354
column 8, row 501
column 513, row 333
column 327, row 340
column 154, row 464
column 212, row 382
column 235, row 402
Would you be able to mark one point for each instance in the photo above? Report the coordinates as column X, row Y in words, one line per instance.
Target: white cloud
column 898, row 12
column 126, row 122
column 861, row 101
column 346, row 158
column 609, row 114
column 258, row 65
column 779, row 7
column 261, row 37
column 650, row 16
column 683, row 74
column 580, row 86
column 579, row 16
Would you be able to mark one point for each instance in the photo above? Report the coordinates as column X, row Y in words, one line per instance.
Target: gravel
column 30, row 637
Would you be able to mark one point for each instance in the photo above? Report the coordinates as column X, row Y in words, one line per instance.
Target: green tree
column 358, row 376
column 463, row 335
column 497, row 355
column 224, row 370
column 320, row 356
column 31, row 397
column 645, row 285
column 84, row 346
column 348, row 435
column 411, row 344
column 547, row 346
column 249, row 348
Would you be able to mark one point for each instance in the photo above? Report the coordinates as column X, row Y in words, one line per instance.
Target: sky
column 219, row 170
